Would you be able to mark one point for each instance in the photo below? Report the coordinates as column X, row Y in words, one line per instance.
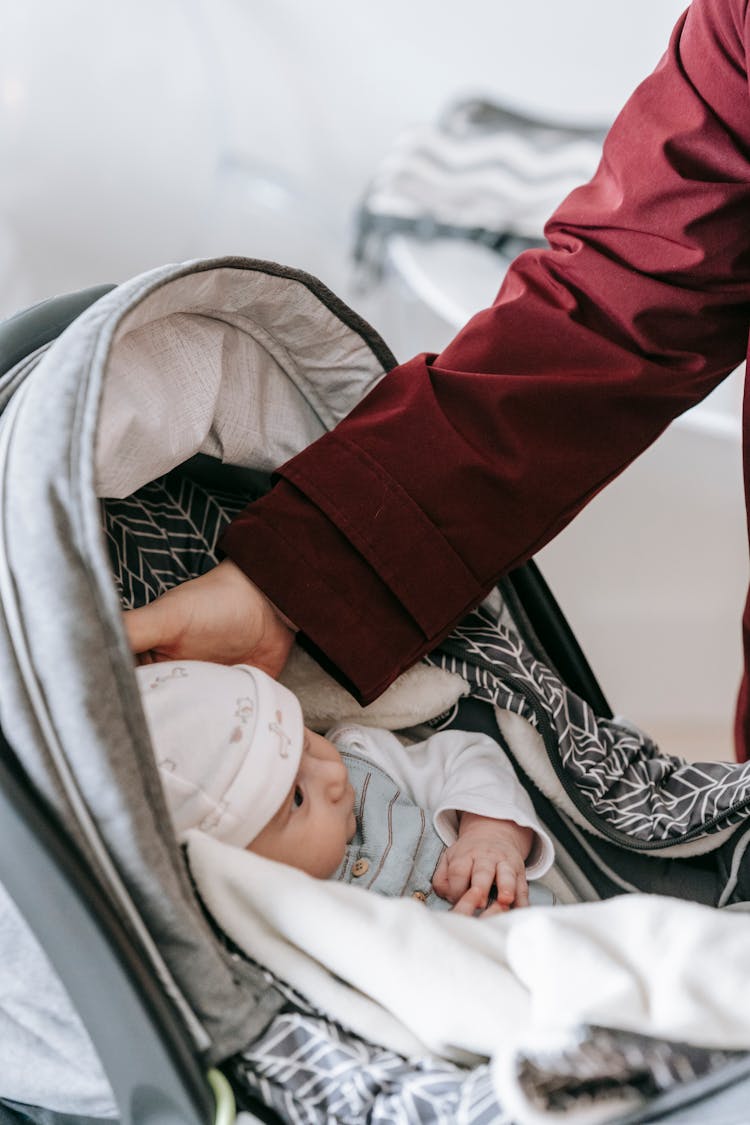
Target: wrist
column 473, row 824
column 228, row 566
column 469, row 822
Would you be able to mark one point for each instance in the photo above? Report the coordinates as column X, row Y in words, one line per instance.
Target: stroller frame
column 157, row 1076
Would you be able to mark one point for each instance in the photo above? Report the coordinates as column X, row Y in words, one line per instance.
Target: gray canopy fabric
column 240, row 359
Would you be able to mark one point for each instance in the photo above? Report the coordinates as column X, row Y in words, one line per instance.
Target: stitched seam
column 389, row 845
column 395, row 492
column 416, row 852
column 363, row 795
column 297, row 548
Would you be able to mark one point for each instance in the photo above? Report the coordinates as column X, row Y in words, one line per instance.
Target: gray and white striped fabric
column 483, row 172
column 312, row 1073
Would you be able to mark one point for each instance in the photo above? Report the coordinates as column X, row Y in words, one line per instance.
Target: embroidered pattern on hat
column 244, row 710
column 284, row 740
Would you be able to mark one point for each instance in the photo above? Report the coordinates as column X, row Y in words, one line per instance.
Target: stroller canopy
column 241, row 360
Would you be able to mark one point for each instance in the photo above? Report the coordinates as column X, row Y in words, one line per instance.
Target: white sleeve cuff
column 542, row 854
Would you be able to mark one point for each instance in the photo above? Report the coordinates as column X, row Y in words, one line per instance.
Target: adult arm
column 378, row 538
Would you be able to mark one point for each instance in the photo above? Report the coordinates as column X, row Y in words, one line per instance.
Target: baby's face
column 316, row 820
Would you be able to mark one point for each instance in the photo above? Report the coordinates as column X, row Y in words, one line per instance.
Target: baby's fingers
column 522, row 891
column 473, row 882
column 506, row 880
column 452, row 876
column 512, row 888
column 469, row 903
column 477, row 895
column 494, row 908
column 482, row 879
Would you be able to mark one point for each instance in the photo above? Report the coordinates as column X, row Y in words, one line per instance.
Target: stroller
column 122, row 996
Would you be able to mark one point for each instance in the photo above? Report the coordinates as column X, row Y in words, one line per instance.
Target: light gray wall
column 134, row 134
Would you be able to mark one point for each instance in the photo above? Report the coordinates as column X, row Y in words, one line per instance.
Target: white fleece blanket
column 465, row 989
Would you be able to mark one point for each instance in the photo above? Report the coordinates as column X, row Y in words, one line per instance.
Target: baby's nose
column 337, row 780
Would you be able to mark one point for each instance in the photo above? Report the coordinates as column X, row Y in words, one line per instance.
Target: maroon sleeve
column 380, row 536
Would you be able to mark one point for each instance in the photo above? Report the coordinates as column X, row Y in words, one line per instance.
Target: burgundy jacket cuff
column 323, row 580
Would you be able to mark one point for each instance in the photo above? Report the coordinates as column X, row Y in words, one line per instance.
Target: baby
column 444, row 820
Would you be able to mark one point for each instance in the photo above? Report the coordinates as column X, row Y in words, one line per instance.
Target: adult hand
column 221, row 616
column 487, row 853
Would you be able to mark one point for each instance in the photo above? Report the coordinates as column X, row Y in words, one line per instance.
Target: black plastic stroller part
column 721, row 1098
column 145, row 1050
column 32, row 328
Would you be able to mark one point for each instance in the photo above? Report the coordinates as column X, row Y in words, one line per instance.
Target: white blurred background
column 136, row 134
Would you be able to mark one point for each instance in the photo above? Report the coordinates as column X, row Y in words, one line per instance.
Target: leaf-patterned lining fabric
column 622, row 775
column 164, row 534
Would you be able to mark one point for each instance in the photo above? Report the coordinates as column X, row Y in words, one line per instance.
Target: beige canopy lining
column 245, row 366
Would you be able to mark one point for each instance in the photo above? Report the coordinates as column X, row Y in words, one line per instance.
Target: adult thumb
column 146, row 627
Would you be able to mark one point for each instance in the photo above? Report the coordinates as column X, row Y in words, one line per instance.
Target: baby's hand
column 487, row 852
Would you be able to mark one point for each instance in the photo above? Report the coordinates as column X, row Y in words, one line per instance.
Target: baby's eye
column 298, row 796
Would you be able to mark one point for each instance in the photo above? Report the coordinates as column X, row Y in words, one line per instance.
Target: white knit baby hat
column 227, row 742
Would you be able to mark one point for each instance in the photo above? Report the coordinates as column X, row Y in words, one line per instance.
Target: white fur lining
column 419, row 694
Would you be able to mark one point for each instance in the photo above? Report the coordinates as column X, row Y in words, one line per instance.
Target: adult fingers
column 147, row 628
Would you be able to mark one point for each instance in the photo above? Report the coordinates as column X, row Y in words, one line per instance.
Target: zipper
column 549, row 737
